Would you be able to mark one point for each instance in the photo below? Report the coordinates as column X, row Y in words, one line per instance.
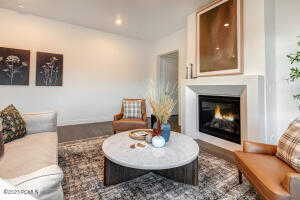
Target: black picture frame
column 49, row 69
column 14, row 66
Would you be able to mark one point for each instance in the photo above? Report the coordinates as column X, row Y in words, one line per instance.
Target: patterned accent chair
column 120, row 123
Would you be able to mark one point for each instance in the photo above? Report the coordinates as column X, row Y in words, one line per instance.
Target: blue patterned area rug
column 82, row 162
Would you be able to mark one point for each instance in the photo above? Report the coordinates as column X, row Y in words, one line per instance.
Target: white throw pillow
column 40, row 122
column 45, row 182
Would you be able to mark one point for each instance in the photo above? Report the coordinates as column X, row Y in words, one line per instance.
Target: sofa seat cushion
column 266, row 172
column 129, row 124
column 29, row 154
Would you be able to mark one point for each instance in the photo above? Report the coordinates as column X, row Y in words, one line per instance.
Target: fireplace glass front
column 220, row 117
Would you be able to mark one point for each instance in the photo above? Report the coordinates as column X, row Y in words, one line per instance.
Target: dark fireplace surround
column 219, row 116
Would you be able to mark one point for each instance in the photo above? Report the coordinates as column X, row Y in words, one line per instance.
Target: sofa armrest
column 291, row 183
column 40, row 122
column 6, row 186
column 46, row 182
column 253, row 147
column 118, row 116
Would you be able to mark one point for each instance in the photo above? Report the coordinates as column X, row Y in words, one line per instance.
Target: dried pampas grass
column 161, row 100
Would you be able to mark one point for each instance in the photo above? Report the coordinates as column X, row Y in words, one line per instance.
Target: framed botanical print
column 14, row 66
column 49, row 69
column 220, row 39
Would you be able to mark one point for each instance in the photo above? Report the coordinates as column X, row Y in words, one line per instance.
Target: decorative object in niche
column 189, row 71
column 220, row 38
column 14, row 66
column 49, row 69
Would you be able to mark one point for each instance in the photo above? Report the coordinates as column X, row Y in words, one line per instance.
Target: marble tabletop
column 180, row 150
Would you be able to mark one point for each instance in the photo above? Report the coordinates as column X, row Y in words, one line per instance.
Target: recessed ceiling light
column 217, row 48
column 20, row 6
column 226, row 25
column 118, row 22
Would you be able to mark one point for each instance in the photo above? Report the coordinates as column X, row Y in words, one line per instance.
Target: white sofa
column 31, row 162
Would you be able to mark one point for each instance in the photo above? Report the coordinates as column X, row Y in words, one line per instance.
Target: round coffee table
column 178, row 160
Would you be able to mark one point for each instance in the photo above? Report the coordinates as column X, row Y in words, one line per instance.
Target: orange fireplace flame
column 219, row 115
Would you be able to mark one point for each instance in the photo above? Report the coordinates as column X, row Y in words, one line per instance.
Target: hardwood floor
column 84, row 131
column 217, row 151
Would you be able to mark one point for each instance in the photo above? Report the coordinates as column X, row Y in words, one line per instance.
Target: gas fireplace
column 220, row 117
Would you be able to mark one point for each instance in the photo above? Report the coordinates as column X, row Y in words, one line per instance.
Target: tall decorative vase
column 165, row 131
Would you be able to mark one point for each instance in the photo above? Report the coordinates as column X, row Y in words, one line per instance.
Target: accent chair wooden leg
column 240, row 177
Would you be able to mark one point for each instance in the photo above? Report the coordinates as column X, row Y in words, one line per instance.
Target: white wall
column 99, row 68
column 270, row 74
column 287, row 28
column 173, row 42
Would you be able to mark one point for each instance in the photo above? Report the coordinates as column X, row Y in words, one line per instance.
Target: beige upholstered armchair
column 120, row 123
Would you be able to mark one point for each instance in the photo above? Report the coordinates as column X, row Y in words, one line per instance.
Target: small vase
column 158, row 141
column 166, row 129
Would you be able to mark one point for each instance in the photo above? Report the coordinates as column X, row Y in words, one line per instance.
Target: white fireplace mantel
column 251, row 90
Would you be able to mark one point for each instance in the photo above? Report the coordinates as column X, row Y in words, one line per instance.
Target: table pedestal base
column 114, row 173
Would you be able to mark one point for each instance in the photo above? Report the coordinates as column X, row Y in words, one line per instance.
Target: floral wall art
column 14, row 66
column 49, row 69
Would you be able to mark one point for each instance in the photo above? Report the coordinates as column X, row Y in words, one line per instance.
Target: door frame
column 159, row 72
column 159, row 60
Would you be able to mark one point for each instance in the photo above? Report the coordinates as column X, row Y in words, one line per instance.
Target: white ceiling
column 142, row 19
